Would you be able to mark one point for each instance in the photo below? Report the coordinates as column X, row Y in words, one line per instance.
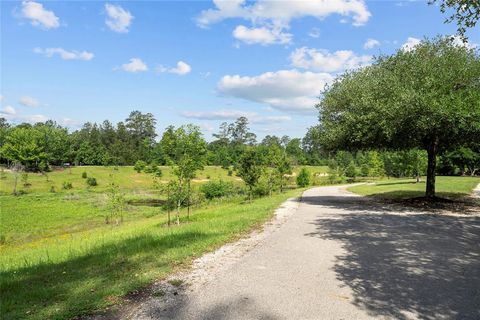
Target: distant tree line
column 39, row 146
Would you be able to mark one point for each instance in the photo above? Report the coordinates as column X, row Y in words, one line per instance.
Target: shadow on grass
column 63, row 290
column 404, row 266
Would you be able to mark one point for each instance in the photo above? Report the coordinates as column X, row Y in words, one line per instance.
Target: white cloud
column 457, row 40
column 288, row 90
column 314, row 33
column 262, row 35
column 64, row 54
column 135, row 65
column 39, row 16
column 118, row 19
column 35, row 118
column 217, row 115
column 281, row 12
column 9, row 110
column 324, row 61
column 267, row 15
column 410, row 44
column 1, row 98
column 181, row 69
column 29, row 101
column 230, row 114
column 371, row 43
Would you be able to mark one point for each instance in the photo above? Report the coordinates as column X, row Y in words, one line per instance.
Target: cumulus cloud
column 325, row 61
column 410, row 44
column 281, row 12
column 262, row 35
column 135, row 65
column 230, row 114
column 8, row 110
column 39, row 16
column 29, row 101
column 181, row 69
column 371, row 43
column 64, row 54
column 287, row 90
column 118, row 19
column 267, row 16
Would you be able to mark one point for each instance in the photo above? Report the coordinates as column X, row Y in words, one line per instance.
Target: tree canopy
column 427, row 98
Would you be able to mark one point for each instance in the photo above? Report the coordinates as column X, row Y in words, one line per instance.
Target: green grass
column 450, row 187
column 61, row 260
column 125, row 177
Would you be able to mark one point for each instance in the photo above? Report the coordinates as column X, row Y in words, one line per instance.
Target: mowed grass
column 127, row 178
column 450, row 187
column 76, row 273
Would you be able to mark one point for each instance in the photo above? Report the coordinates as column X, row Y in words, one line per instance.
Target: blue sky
column 196, row 62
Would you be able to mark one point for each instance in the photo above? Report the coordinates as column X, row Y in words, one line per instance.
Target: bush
column 91, row 181
column 67, row 185
column 217, row 189
column 52, row 189
column 139, row 166
column 230, row 172
column 303, row 178
column 261, row 188
column 84, row 175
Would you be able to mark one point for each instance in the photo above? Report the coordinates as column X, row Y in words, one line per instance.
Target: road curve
column 341, row 256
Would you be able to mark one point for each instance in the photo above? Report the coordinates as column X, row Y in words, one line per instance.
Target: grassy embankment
column 59, row 259
column 449, row 187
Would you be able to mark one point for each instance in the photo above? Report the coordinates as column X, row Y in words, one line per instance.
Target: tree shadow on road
column 404, row 266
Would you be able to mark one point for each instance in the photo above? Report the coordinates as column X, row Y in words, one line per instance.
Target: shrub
column 52, row 189
column 25, row 180
column 217, row 189
column 84, row 175
column 303, row 178
column 230, row 172
column 139, row 166
column 261, row 188
column 67, row 185
column 91, row 181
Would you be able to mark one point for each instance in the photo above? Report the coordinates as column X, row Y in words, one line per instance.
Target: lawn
column 450, row 187
column 125, row 177
column 59, row 258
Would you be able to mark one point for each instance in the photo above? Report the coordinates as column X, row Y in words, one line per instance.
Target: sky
column 200, row 62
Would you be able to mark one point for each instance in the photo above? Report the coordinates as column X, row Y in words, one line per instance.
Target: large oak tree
column 427, row 97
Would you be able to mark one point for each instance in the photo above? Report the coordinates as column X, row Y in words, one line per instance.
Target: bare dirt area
column 332, row 255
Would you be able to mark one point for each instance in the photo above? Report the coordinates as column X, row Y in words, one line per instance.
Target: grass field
column 59, row 258
column 125, row 177
column 450, row 187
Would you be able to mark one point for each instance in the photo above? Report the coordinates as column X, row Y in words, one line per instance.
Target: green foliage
column 139, row 166
column 217, row 189
column 250, row 168
column 351, row 170
column 303, row 178
column 116, row 203
column 25, row 179
column 66, row 185
column 84, row 175
column 465, row 12
column 427, row 98
column 91, row 181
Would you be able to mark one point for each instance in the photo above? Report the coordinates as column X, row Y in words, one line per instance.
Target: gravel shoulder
column 332, row 255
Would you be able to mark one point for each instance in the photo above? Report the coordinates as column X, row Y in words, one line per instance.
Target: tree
column 465, row 12
column 426, row 98
column 250, row 168
column 294, row 150
column 303, row 178
column 188, row 156
column 283, row 166
column 24, row 145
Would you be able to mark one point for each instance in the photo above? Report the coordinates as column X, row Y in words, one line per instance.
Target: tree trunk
column 179, row 203
column 188, row 201
column 432, row 164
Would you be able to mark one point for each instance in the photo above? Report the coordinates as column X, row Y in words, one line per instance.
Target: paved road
column 344, row 257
